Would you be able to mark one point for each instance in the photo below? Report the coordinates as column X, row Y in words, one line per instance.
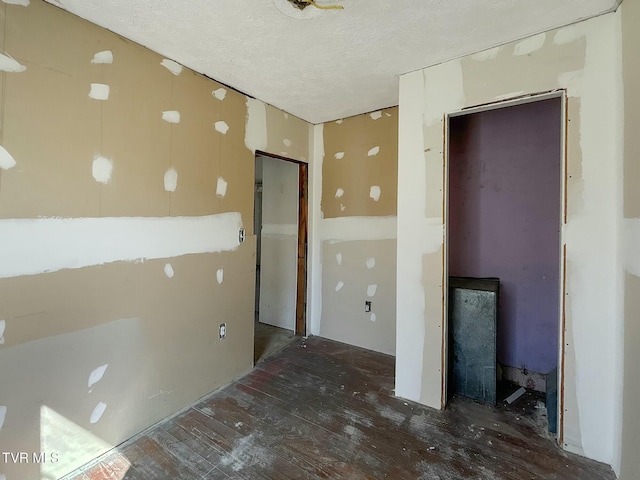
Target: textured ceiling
column 329, row 64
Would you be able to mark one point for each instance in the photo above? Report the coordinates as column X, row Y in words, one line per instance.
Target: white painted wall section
column 279, row 252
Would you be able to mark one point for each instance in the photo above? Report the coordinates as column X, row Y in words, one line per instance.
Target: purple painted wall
column 504, row 221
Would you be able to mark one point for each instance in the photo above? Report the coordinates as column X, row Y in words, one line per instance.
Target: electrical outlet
column 223, row 331
column 367, row 306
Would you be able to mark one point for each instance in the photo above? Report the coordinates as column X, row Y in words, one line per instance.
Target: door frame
column 302, row 249
column 517, row 100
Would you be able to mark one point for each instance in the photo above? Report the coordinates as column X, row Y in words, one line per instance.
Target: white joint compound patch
column 568, row 34
column 3, row 325
column 255, row 135
column 373, row 317
column 221, row 187
column 339, row 193
column 32, row 246
column 343, row 207
column 168, row 270
column 3, row 413
column 6, row 160
column 220, row 276
column 374, row 151
column 529, row 45
column 339, row 258
column 339, row 122
column 374, row 193
column 339, row 285
column 489, row 54
column 376, row 115
column 105, row 56
column 220, row 93
column 96, row 375
column 171, row 180
column 339, row 156
column 23, row 3
column 171, row 116
column 99, row 91
column 172, row 66
column 287, row 142
column 371, row 262
column 221, row 126
column 371, row 290
column 97, row 413
column 102, row 169
column 10, row 65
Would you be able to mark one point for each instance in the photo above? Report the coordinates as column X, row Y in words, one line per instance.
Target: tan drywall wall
column 359, row 190
column 361, row 152
column 127, row 273
column 582, row 61
column 630, row 232
column 354, row 272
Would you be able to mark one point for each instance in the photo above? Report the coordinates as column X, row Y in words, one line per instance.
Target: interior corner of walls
column 256, row 137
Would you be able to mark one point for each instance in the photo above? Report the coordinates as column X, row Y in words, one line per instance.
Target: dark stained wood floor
column 321, row 409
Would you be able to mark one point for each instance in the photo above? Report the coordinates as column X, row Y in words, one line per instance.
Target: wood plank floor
column 325, row 410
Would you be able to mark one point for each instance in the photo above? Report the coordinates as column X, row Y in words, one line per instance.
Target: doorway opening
column 280, row 226
column 504, row 258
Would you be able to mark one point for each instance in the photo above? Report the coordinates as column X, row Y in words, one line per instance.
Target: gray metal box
column 473, row 311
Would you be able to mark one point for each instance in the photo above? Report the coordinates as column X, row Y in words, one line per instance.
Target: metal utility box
column 473, row 312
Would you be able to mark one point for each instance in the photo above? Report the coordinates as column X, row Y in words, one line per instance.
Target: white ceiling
column 336, row 63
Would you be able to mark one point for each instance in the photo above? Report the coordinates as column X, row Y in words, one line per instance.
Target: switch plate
column 367, row 306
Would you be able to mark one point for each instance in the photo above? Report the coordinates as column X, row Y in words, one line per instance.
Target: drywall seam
column 255, row 136
column 410, row 301
column 358, row 228
column 35, row 246
column 314, row 271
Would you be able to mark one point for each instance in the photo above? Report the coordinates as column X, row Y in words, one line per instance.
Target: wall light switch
column 223, row 330
column 367, row 306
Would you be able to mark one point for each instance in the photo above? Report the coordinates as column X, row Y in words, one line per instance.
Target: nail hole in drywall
column 96, row 375
column 103, row 57
column 172, row 66
column 222, row 127
column 220, row 93
column 171, row 116
column 102, row 169
column 97, row 413
column 171, row 180
column 221, row 187
column 168, row 270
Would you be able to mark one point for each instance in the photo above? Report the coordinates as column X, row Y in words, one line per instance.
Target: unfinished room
column 319, row 239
